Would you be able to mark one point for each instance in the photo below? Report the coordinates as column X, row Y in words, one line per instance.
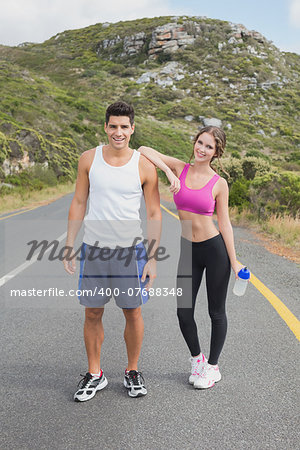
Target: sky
column 38, row 20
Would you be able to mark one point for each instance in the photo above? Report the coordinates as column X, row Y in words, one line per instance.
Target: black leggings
column 194, row 258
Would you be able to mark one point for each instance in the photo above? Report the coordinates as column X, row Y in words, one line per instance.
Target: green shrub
column 239, row 194
column 4, row 190
column 117, row 69
column 128, row 72
column 286, row 131
column 235, row 154
column 290, row 166
column 90, row 136
column 234, row 167
column 44, row 174
column 4, row 147
column 13, row 179
column 257, row 154
column 290, row 192
column 77, row 127
column 293, row 156
column 253, row 166
column 82, row 105
column 164, row 57
column 33, row 178
column 276, row 193
column 64, row 158
column 37, row 185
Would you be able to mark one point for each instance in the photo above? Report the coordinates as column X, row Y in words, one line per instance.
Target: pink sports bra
column 198, row 201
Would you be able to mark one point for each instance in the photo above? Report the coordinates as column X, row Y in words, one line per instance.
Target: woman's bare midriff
column 197, row 227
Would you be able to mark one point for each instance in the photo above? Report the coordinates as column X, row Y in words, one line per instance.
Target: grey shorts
column 107, row 273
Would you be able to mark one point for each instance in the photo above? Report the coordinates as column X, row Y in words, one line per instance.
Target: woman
column 197, row 191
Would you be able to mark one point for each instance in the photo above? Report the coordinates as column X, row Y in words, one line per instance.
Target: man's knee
column 133, row 314
column 94, row 314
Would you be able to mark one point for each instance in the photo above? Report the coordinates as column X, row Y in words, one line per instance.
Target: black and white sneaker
column 135, row 383
column 89, row 386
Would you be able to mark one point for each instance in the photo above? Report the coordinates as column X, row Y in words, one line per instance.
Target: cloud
column 38, row 20
column 294, row 13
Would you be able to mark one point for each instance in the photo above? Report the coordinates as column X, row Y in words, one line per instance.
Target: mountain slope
column 177, row 72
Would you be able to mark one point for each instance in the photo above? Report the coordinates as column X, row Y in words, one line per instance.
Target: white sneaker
column 209, row 376
column 134, row 383
column 89, row 385
column 198, row 363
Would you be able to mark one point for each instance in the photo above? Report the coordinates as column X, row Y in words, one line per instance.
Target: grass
column 28, row 199
column 286, row 227
column 282, row 233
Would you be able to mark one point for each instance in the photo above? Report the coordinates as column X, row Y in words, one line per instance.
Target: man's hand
column 69, row 260
column 150, row 271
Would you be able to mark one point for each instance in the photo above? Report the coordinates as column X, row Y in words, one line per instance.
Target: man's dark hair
column 120, row 109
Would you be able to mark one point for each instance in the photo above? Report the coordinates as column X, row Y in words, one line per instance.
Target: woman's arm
column 167, row 164
column 225, row 224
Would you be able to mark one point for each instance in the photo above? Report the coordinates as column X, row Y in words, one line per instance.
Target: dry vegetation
column 31, row 199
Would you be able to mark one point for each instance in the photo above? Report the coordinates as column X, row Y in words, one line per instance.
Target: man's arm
column 149, row 181
column 78, row 207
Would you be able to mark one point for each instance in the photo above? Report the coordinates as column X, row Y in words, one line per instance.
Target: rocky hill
column 179, row 73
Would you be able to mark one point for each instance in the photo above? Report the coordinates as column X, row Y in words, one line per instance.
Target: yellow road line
column 20, row 212
column 170, row 212
column 292, row 322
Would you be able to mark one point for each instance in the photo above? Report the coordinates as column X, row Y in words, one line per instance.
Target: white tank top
column 115, row 196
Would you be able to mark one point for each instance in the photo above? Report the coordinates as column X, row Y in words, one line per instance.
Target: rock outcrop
column 134, row 44
column 21, row 148
column 212, row 121
column 169, row 73
column 15, row 165
column 170, row 37
column 240, row 32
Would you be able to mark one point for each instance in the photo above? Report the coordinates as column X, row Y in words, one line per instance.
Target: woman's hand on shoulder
column 174, row 181
column 161, row 160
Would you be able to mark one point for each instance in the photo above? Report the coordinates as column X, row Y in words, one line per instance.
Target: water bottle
column 241, row 282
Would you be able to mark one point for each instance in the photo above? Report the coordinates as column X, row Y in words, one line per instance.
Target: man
column 114, row 177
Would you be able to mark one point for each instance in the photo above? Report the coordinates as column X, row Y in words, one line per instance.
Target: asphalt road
column 255, row 405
